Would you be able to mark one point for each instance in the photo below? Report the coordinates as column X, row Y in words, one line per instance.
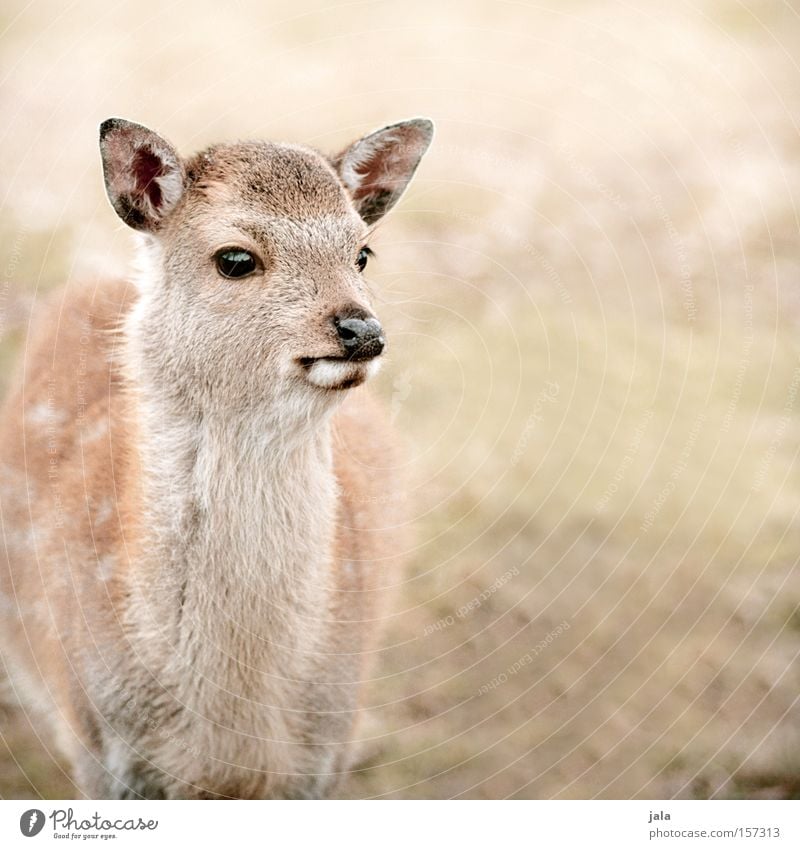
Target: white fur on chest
column 232, row 605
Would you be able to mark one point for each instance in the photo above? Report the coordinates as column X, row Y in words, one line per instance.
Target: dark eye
column 235, row 263
column 363, row 255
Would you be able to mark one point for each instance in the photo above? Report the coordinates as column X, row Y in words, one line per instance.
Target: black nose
column 360, row 335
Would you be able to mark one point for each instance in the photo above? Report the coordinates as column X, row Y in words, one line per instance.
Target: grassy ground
column 592, row 296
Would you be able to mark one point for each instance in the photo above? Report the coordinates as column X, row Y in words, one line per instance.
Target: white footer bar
column 401, row 825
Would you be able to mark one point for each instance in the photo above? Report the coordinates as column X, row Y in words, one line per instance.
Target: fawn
column 197, row 517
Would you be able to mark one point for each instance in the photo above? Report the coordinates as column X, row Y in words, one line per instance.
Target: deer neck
column 238, row 515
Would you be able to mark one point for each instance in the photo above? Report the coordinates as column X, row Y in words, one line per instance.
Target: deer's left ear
column 377, row 168
column 143, row 173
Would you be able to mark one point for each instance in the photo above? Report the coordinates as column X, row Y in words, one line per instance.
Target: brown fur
column 195, row 533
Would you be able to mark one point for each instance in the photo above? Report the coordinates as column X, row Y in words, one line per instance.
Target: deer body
column 194, row 503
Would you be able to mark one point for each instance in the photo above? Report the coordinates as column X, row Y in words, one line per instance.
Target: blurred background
column 592, row 297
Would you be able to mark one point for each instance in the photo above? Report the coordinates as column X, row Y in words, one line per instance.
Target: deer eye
column 234, row 263
column 363, row 255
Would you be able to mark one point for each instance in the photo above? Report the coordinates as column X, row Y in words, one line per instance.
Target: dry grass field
column 592, row 294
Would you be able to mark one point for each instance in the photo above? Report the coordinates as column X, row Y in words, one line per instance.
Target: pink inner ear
column 146, row 168
column 368, row 172
column 376, row 172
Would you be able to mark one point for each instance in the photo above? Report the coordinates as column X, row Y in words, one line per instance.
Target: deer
column 201, row 505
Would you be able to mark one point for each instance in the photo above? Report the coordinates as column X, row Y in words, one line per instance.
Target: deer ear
column 377, row 168
column 143, row 173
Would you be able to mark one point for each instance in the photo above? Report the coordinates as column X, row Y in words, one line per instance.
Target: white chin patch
column 337, row 374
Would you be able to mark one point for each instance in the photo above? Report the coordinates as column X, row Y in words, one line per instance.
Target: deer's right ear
column 377, row 168
column 143, row 173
